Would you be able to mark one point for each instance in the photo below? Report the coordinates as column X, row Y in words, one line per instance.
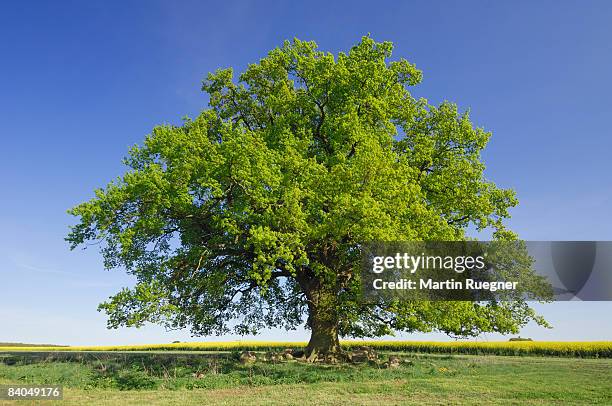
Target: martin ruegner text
column 449, row 284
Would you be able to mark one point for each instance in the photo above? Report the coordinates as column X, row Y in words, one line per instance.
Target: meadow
column 209, row 373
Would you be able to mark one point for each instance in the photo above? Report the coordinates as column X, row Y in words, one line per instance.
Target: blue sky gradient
column 82, row 81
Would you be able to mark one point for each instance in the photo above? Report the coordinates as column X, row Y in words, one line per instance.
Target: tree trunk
column 323, row 321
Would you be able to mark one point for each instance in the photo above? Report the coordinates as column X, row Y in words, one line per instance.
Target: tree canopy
column 251, row 214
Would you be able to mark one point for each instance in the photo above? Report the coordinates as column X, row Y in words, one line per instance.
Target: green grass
column 167, row 378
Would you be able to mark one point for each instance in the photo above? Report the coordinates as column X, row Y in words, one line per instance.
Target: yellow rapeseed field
column 596, row 349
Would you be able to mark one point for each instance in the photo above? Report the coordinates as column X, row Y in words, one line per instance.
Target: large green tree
column 252, row 214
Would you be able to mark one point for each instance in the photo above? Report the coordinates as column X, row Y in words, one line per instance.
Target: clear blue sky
column 81, row 81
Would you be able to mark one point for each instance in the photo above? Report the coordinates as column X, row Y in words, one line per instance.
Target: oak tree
column 251, row 214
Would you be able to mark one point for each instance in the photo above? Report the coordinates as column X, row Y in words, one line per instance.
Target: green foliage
column 21, row 370
column 135, row 379
column 239, row 218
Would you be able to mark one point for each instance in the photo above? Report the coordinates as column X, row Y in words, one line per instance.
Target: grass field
column 206, row 377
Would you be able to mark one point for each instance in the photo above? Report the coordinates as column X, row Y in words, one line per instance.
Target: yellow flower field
column 594, row 349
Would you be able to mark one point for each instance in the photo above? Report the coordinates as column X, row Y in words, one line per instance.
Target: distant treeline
column 29, row 345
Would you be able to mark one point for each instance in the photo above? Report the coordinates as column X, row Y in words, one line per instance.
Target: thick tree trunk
column 323, row 321
column 324, row 335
